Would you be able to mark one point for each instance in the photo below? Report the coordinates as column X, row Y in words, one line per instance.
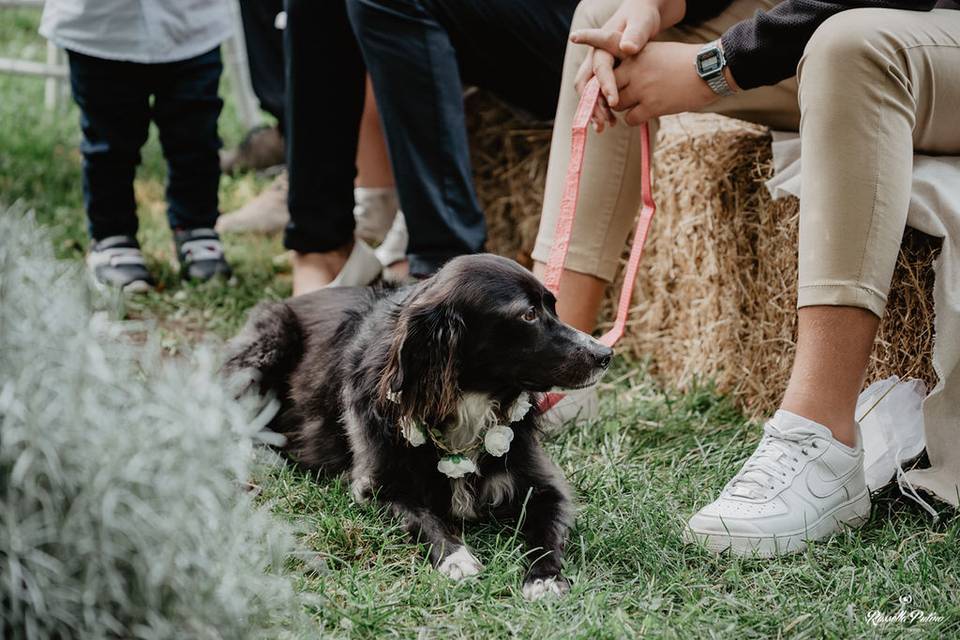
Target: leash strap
column 568, row 209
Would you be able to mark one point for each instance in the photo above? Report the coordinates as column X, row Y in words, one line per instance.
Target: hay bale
column 509, row 154
column 717, row 289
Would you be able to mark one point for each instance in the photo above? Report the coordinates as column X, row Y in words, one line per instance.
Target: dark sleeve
column 766, row 48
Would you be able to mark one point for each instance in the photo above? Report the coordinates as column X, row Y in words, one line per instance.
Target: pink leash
column 568, row 209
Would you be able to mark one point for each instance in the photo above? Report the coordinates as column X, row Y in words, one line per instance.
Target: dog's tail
column 267, row 350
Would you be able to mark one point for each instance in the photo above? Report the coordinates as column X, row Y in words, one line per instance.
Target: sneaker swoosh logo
column 823, row 487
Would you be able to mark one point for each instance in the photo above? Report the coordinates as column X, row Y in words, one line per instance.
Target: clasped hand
column 640, row 77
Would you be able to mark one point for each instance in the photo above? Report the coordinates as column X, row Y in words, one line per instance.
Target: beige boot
column 267, row 213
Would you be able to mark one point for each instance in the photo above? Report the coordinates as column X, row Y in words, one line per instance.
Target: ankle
column 841, row 424
column 311, row 271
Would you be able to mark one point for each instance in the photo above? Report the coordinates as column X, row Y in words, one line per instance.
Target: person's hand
column 625, row 34
column 660, row 80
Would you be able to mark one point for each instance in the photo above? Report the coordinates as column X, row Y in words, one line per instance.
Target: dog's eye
column 530, row 315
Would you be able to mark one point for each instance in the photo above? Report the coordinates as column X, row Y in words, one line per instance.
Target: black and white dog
column 423, row 394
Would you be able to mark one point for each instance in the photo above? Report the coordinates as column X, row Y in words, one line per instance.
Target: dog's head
column 484, row 324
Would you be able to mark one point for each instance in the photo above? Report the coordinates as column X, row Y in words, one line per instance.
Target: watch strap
column 718, row 82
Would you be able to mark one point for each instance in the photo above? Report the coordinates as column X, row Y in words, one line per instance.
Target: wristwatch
column 710, row 65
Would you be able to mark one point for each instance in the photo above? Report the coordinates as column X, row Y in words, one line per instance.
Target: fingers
column 634, row 37
column 622, row 74
column 603, row 39
column 602, row 116
column 642, row 22
column 607, row 112
column 603, row 69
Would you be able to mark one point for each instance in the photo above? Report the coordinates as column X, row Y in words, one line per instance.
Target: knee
column 848, row 47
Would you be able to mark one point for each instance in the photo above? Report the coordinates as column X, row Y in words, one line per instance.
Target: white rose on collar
column 497, row 440
column 456, row 466
column 412, row 431
column 520, row 408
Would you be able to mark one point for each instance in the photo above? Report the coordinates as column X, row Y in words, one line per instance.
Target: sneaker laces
column 777, row 457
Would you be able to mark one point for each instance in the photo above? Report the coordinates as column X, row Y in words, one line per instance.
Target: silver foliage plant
column 122, row 509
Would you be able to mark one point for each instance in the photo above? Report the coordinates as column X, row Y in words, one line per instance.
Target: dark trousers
column 265, row 54
column 325, row 86
column 115, row 113
column 419, row 54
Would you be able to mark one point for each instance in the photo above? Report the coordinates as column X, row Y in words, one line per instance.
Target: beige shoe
column 267, row 213
column 261, row 148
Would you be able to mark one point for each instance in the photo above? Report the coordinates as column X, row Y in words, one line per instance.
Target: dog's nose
column 603, row 357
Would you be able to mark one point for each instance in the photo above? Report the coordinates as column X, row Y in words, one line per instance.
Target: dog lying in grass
column 425, row 394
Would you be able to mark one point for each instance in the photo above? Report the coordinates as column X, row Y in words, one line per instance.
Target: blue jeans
column 419, row 54
column 115, row 113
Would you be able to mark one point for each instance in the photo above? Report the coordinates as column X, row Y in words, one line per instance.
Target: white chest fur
column 476, row 414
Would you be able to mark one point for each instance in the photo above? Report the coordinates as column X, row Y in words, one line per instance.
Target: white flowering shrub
column 122, row 509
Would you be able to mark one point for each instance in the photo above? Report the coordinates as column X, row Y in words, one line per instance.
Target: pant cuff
column 841, row 294
column 580, row 261
column 297, row 240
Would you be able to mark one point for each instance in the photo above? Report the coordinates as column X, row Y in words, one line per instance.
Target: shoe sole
column 851, row 514
column 136, row 287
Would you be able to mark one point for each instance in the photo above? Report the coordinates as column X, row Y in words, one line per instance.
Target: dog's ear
column 423, row 362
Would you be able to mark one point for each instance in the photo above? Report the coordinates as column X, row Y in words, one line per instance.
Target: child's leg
column 114, row 106
column 186, row 109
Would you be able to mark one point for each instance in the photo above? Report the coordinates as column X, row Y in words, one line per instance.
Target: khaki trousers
column 874, row 85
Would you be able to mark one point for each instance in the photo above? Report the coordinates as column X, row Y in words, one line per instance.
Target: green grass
column 650, row 460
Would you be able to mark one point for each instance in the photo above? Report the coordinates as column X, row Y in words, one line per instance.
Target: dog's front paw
column 362, row 489
column 545, row 587
column 460, row 564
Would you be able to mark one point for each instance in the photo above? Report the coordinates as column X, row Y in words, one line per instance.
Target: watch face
column 709, row 62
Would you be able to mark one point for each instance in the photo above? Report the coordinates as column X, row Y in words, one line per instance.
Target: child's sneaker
column 799, row 485
column 116, row 263
column 201, row 255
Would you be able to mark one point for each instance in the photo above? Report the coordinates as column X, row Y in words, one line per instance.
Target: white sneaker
column 361, row 269
column 800, row 484
column 393, row 249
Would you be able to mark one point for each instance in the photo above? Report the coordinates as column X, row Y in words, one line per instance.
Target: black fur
column 481, row 332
